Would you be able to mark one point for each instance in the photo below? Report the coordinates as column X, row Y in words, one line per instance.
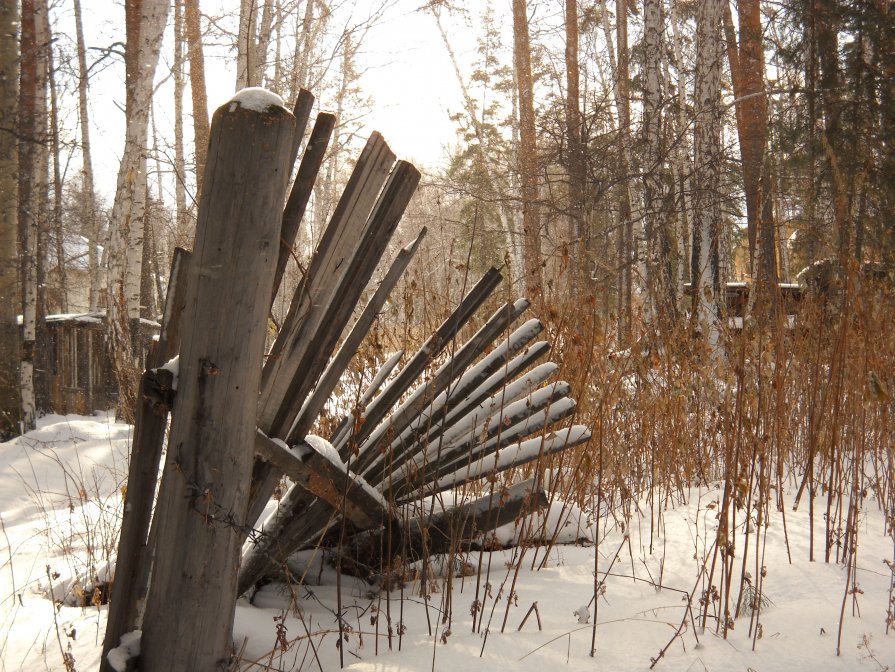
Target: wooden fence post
column 204, row 492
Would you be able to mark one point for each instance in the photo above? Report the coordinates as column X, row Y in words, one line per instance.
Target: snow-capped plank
column 429, row 394
column 512, row 456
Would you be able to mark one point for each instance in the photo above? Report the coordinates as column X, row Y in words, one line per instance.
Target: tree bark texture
column 528, row 156
column 576, row 158
column 204, row 492
column 707, row 166
column 145, row 27
column 197, row 87
column 660, row 262
column 10, row 396
column 93, row 223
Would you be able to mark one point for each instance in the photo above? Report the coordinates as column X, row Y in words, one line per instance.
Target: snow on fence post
column 203, row 497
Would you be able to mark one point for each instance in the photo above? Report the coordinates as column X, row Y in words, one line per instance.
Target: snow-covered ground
column 60, row 498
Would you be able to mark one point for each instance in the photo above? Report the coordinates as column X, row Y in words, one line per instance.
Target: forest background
column 604, row 153
column 623, row 163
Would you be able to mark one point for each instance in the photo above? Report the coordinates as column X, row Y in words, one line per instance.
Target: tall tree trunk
column 746, row 60
column 578, row 215
column 528, row 157
column 682, row 166
column 707, row 167
column 57, row 177
column 30, row 136
column 303, row 44
column 827, row 31
column 197, row 87
column 180, row 209
column 10, row 396
column 145, row 28
column 93, row 224
column 625, row 227
column 246, row 44
column 660, row 274
column 264, row 31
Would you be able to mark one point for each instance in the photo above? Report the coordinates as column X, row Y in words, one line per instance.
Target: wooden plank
column 334, row 370
column 309, row 364
column 324, row 488
column 449, row 530
column 476, row 451
column 477, row 405
column 448, row 387
column 326, row 479
column 349, row 434
column 146, row 451
column 204, row 492
column 387, row 213
column 487, row 436
column 314, row 295
column 514, row 456
column 381, row 375
column 301, row 191
column 304, row 102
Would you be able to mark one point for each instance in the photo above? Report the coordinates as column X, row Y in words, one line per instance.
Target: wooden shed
column 736, row 298
column 81, row 377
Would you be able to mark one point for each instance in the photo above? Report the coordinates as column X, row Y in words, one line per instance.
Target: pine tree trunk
column 528, row 157
column 197, row 87
column 576, row 166
column 10, row 396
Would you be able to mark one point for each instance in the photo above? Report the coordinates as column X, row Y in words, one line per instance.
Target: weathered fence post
column 204, row 493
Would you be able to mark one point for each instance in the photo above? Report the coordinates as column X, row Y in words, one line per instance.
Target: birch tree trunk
column 528, row 157
column 707, row 170
column 303, row 48
column 145, row 28
column 682, row 158
column 260, row 65
column 57, row 176
column 10, row 396
column 660, row 274
column 625, row 230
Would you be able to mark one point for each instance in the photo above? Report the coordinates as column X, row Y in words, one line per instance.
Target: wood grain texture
column 204, row 492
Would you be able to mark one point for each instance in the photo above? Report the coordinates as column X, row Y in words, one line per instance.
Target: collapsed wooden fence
column 240, row 417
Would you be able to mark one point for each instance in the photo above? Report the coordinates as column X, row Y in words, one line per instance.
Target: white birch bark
column 707, row 167
column 681, row 158
column 659, row 275
column 146, row 22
